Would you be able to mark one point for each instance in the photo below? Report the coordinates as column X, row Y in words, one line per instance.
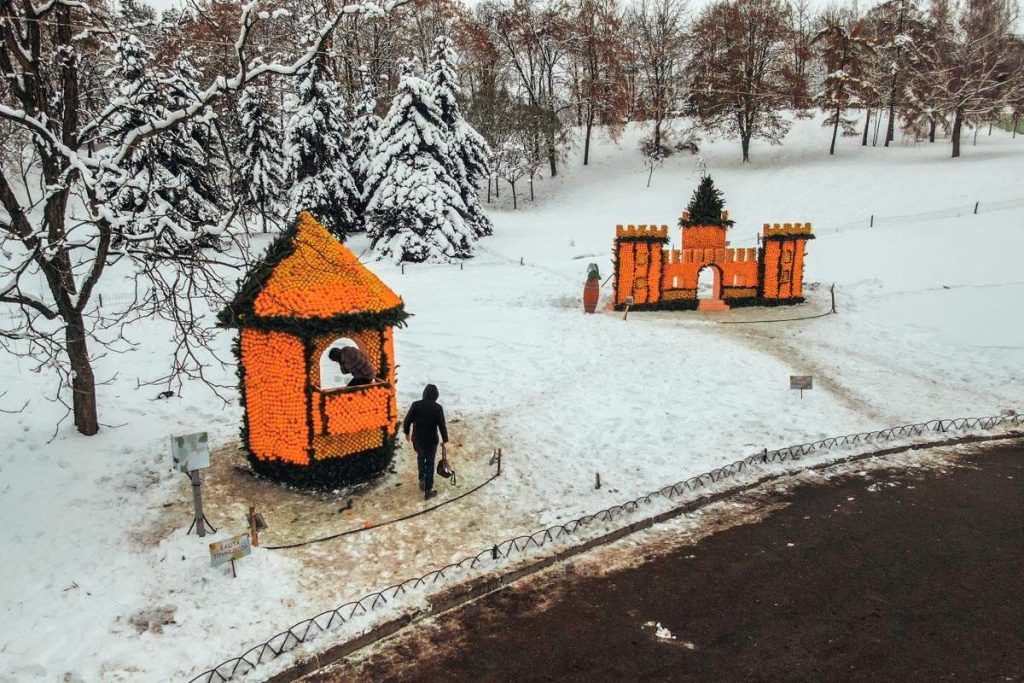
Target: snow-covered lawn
column 95, row 556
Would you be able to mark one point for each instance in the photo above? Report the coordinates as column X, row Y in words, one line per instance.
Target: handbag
column 444, row 469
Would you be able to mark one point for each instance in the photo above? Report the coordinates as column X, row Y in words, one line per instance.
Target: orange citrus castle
column 308, row 292
column 655, row 278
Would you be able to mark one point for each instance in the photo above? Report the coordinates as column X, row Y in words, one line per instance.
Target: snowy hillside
column 99, row 581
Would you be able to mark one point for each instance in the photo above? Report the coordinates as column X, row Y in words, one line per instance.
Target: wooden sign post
column 229, row 550
column 801, row 382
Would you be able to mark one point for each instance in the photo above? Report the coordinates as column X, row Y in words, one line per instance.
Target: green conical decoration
column 706, row 206
column 593, row 273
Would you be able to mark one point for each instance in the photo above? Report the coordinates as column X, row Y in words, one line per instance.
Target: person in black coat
column 425, row 420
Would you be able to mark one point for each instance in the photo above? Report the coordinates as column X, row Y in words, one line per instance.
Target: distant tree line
column 128, row 137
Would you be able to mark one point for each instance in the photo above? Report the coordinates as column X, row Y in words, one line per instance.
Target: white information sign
column 190, row 452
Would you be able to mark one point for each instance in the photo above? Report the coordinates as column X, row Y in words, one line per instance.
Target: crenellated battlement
column 649, row 275
column 787, row 229
column 704, row 256
column 643, row 231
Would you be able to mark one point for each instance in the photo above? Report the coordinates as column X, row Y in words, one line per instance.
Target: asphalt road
column 919, row 578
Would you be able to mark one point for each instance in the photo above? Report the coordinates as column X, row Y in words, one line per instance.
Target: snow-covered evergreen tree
column 415, row 210
column 261, row 167
column 471, row 152
column 318, row 155
column 364, row 137
column 174, row 191
column 189, row 155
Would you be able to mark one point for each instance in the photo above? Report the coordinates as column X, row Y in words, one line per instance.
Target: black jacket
column 426, row 418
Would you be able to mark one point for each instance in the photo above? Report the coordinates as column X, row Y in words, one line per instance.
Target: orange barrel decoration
column 591, row 290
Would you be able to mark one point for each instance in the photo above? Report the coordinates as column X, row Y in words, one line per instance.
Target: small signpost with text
column 801, row 382
column 191, row 453
column 229, row 550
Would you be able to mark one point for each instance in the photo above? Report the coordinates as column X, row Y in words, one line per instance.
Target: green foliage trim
column 252, row 284
column 330, row 473
column 789, row 238
column 306, row 328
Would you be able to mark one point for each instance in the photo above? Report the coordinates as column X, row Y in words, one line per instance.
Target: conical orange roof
column 309, row 275
column 321, row 279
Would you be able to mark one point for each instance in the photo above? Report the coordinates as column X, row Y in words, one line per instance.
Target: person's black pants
column 425, row 454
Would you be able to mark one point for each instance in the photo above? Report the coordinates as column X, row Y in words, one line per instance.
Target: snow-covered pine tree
column 174, row 192
column 189, row 157
column 261, row 167
column 363, row 139
column 415, row 210
column 471, row 151
column 317, row 149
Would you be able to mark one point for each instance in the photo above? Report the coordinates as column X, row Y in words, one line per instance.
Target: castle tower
column 703, row 236
column 782, row 262
column 639, row 259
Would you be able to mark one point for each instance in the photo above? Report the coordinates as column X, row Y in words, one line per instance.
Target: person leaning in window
column 426, row 420
column 353, row 362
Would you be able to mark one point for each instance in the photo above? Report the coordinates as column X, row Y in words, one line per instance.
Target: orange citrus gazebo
column 308, row 294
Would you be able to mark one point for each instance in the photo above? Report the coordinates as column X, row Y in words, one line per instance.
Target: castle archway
column 709, row 282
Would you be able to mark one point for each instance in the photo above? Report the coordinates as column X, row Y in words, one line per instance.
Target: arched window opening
column 341, row 368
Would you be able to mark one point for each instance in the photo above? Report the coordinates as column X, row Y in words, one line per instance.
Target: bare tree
column 535, row 39
column 657, row 31
column 739, row 74
column 98, row 210
column 976, row 76
column 599, row 50
column 843, row 51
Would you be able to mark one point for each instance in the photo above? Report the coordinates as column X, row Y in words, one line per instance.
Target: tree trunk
column 890, row 128
column 586, row 141
column 931, row 129
column 1016, row 120
column 835, row 132
column 531, row 187
column 552, row 162
column 514, row 202
column 867, row 125
column 83, row 382
column 956, row 133
column 488, row 190
column 745, row 141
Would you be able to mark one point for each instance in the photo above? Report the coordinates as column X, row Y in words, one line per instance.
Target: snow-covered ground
column 99, row 581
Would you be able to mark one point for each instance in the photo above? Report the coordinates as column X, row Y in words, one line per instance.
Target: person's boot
column 429, row 494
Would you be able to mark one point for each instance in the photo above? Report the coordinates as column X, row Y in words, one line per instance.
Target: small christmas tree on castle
column 706, row 207
column 308, row 294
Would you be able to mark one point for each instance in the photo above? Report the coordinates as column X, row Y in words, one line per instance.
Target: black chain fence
column 309, row 628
